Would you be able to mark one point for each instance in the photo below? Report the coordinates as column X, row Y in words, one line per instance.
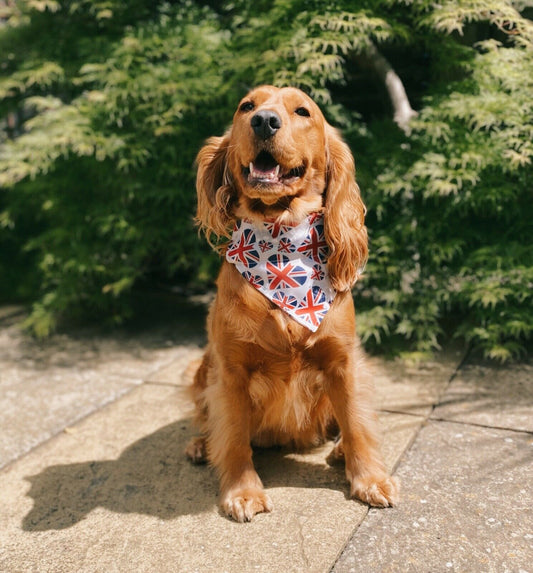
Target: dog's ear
column 214, row 186
column 344, row 215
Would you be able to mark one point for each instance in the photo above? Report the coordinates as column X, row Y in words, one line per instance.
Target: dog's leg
column 369, row 480
column 196, row 450
column 229, row 449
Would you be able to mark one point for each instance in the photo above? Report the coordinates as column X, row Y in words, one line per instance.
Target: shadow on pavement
column 152, row 477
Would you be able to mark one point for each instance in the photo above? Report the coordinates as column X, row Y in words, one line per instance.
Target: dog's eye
column 247, row 106
column 303, row 111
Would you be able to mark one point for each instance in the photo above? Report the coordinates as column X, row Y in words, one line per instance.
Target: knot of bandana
column 287, row 264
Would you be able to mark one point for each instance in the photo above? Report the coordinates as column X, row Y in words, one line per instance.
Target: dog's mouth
column 265, row 170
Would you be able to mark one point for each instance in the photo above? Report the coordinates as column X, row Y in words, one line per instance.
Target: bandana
column 287, row 264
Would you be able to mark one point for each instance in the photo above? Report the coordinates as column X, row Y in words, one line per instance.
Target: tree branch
column 403, row 112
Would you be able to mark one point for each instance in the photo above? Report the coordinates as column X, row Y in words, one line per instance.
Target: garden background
column 104, row 105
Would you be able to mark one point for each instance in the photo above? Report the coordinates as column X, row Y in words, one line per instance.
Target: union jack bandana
column 287, row 264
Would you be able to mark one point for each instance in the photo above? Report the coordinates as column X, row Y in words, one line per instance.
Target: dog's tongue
column 264, row 173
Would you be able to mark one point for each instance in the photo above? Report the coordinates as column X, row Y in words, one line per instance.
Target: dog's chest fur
column 282, row 364
column 285, row 393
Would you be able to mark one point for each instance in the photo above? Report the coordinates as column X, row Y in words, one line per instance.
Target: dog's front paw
column 243, row 503
column 382, row 491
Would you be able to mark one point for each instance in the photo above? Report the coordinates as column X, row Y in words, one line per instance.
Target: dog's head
column 281, row 160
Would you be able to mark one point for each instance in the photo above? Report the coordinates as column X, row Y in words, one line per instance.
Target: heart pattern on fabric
column 287, row 264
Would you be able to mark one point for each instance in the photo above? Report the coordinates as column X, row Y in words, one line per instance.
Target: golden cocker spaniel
column 283, row 364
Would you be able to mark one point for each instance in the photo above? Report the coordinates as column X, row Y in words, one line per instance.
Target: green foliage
column 459, row 189
column 100, row 175
column 105, row 104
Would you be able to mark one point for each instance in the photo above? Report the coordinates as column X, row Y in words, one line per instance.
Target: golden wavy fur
column 264, row 378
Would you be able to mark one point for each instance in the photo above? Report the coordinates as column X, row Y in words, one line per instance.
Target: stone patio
column 93, row 475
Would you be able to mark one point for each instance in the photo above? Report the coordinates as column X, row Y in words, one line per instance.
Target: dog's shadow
column 152, row 477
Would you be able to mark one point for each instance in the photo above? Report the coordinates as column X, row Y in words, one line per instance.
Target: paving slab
column 47, row 386
column 175, row 372
column 36, row 409
column 413, row 388
column 490, row 396
column 467, row 506
column 115, row 493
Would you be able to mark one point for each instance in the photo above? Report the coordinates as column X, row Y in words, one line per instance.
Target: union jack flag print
column 282, row 273
column 285, row 301
column 315, row 245
column 265, row 246
column 287, row 264
column 314, row 306
column 245, row 250
column 286, row 246
column 275, row 229
column 318, row 273
column 255, row 280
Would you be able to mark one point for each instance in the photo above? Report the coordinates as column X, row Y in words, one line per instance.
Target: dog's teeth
column 270, row 175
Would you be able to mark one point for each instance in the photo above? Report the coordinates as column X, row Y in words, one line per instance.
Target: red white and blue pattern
column 315, row 245
column 285, row 301
column 288, row 264
column 255, row 280
column 244, row 250
column 318, row 273
column 276, row 229
column 265, row 245
column 314, row 306
column 286, row 246
column 282, row 273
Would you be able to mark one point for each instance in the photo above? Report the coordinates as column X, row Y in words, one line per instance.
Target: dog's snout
column 265, row 123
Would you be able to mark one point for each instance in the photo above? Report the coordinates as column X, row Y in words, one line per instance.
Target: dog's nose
column 265, row 123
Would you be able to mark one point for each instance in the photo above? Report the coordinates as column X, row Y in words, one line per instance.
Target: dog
column 283, row 364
